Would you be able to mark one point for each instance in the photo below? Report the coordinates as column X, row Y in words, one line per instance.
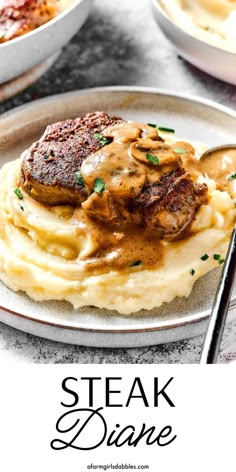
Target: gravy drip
column 124, row 168
column 127, row 248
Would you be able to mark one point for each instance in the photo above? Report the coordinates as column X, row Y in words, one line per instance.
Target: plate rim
column 123, row 88
column 196, row 318
column 165, row 325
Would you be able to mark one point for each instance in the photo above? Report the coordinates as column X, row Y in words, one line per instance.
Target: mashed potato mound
column 39, row 249
column 212, row 21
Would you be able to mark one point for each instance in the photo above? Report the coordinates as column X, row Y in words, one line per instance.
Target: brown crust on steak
column 48, row 171
column 169, row 206
column 164, row 206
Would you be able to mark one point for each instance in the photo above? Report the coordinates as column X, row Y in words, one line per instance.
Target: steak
column 49, row 168
column 144, row 183
column 169, row 206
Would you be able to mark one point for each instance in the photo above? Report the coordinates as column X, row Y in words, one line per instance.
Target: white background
column 204, row 418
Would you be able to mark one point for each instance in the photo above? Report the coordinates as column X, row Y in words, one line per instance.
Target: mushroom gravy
column 123, row 167
column 137, row 156
column 140, row 194
column 116, row 247
column 123, row 164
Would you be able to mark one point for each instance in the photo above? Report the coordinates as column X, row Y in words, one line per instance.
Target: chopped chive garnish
column 192, row 271
column 79, row 178
column 205, row 257
column 18, row 193
column 153, row 159
column 136, row 263
column 22, row 208
column 153, row 125
column 167, row 130
column 162, row 128
column 99, row 185
column 180, row 150
column 232, row 176
column 102, row 139
column 217, row 257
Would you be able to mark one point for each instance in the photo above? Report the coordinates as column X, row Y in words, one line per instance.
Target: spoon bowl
column 219, row 163
column 223, row 147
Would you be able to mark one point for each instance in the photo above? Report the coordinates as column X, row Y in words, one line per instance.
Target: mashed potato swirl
column 39, row 249
column 212, row 21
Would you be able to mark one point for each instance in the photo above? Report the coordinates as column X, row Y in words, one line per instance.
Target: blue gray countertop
column 120, row 44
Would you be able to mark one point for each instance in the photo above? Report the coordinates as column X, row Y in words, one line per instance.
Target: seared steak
column 128, row 176
column 169, row 205
column 50, row 166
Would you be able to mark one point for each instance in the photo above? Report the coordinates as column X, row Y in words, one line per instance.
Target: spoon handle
column 220, row 306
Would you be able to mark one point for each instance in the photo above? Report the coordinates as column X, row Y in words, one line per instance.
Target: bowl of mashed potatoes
column 203, row 31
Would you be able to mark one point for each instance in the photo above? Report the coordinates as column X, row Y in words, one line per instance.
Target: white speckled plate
column 192, row 118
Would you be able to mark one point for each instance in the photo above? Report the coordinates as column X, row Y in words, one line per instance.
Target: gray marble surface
column 120, row 44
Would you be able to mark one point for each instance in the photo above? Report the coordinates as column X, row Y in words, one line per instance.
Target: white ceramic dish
column 22, row 54
column 213, row 60
column 184, row 317
column 13, row 87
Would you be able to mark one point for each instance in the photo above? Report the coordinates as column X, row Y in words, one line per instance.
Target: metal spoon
column 221, row 303
column 222, row 147
column 220, row 306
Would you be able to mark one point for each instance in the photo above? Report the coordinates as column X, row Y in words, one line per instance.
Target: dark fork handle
column 220, row 307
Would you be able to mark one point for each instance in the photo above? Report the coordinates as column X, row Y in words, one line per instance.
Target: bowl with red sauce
column 31, row 31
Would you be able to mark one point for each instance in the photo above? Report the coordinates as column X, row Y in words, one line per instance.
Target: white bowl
column 22, row 54
column 213, row 60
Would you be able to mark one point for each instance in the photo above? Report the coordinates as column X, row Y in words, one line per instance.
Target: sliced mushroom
column 150, row 133
column 122, row 176
column 188, row 158
column 187, row 147
column 123, row 132
column 163, row 152
column 130, row 131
